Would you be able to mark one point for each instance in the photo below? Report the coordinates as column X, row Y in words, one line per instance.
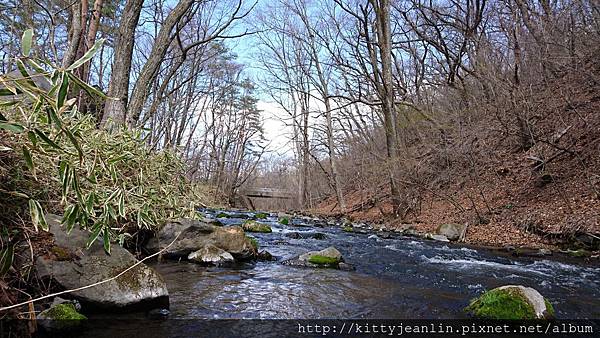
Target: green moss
column 62, row 254
column 284, row 221
column 64, row 311
column 254, row 242
column 222, row 215
column 323, row 260
column 253, row 226
column 550, row 309
column 348, row 229
column 260, row 215
column 501, row 304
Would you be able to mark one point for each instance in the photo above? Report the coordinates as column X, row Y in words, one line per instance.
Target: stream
column 395, row 278
column 399, row 277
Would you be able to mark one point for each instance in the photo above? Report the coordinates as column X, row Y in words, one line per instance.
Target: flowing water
column 398, row 277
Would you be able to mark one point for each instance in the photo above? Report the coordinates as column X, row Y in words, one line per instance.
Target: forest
column 132, row 128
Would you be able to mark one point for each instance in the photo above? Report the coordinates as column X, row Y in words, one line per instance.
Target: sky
column 276, row 132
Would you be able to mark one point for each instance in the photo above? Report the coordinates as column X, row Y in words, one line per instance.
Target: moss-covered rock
column 222, row 215
column 323, row 260
column 511, row 302
column 284, row 221
column 261, row 215
column 254, row 226
column 60, row 317
column 348, row 229
column 254, row 242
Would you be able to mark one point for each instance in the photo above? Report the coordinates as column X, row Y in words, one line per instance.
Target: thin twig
column 91, row 285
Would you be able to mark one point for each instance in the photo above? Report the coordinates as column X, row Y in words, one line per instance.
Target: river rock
column 254, row 226
column 452, row 231
column 312, row 235
column 60, row 316
column 439, row 238
column 326, row 258
column 511, row 302
column 140, row 287
column 210, row 254
column 195, row 235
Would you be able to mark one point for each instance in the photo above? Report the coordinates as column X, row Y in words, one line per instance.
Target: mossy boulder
column 348, row 229
column 261, row 215
column 60, row 317
column 254, row 242
column 284, row 221
column 328, row 257
column 323, row 260
column 140, row 287
column 511, row 302
column 222, row 215
column 254, row 226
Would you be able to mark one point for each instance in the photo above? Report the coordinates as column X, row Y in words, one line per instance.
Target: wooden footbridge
column 247, row 194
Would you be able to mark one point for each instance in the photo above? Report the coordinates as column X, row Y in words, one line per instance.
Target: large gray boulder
column 72, row 266
column 193, row 235
column 452, row 231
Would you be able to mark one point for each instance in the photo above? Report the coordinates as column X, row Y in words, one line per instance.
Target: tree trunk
column 116, row 106
column 382, row 12
column 74, row 34
column 91, row 36
column 152, row 65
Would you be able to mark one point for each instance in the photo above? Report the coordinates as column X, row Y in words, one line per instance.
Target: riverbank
column 506, row 206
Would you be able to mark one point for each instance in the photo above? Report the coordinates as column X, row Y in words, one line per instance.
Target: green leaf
column 37, row 66
column 8, row 103
column 87, row 56
column 15, row 128
column 6, row 259
column 89, row 89
column 70, row 217
column 89, row 203
column 26, row 42
column 62, row 92
column 54, row 118
column 25, row 73
column 28, row 160
column 122, row 204
column 32, row 137
column 46, row 139
column 95, row 233
column 66, row 178
column 37, row 215
column 74, row 142
column 106, row 240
